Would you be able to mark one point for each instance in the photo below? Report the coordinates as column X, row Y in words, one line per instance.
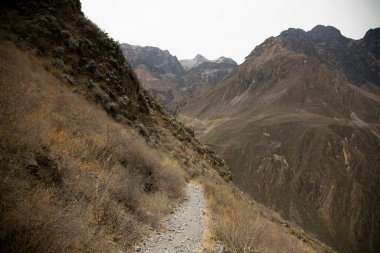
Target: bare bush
column 126, row 188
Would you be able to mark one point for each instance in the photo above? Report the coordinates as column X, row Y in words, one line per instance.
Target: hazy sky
column 230, row 28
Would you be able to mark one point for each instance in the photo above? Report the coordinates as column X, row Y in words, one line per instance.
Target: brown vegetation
column 72, row 179
column 243, row 225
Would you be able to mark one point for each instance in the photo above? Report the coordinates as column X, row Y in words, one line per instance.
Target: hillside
column 298, row 124
column 89, row 161
column 173, row 83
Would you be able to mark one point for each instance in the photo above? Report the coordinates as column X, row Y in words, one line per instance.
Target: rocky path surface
column 184, row 228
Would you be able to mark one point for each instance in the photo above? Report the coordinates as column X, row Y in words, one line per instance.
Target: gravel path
column 184, row 228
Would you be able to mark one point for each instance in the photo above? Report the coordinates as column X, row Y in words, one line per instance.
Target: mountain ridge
column 328, row 45
column 199, row 59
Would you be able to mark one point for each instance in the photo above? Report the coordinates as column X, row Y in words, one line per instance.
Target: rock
column 137, row 249
column 72, row 43
column 119, row 118
column 124, row 100
column 30, row 160
column 143, row 130
column 185, row 161
column 58, row 63
column 112, row 107
column 220, row 249
column 101, row 94
column 69, row 78
column 91, row 84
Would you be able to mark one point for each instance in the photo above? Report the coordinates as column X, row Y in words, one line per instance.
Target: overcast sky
column 230, row 28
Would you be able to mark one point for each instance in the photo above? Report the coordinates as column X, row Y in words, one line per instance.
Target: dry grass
column 244, row 226
column 73, row 179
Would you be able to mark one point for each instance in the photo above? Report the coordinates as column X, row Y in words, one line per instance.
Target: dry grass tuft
column 244, row 226
column 154, row 207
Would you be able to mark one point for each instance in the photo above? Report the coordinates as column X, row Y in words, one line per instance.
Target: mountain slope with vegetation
column 298, row 124
column 89, row 162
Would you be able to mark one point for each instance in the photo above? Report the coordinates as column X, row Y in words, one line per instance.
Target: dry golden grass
column 73, row 179
column 242, row 225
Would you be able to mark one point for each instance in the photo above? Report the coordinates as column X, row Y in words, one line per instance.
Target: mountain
column 191, row 63
column 89, row 162
column 159, row 72
column 203, row 73
column 298, row 123
column 173, row 83
column 199, row 59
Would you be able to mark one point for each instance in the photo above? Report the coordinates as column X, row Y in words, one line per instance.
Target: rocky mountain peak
column 371, row 40
column 191, row 63
column 200, row 57
column 292, row 32
column 325, row 33
column 225, row 60
column 160, row 61
column 372, row 35
column 329, row 46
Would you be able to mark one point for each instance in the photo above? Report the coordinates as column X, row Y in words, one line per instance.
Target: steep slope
column 173, row 83
column 298, row 124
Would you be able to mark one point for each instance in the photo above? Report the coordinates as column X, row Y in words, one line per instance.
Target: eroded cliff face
column 301, row 134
